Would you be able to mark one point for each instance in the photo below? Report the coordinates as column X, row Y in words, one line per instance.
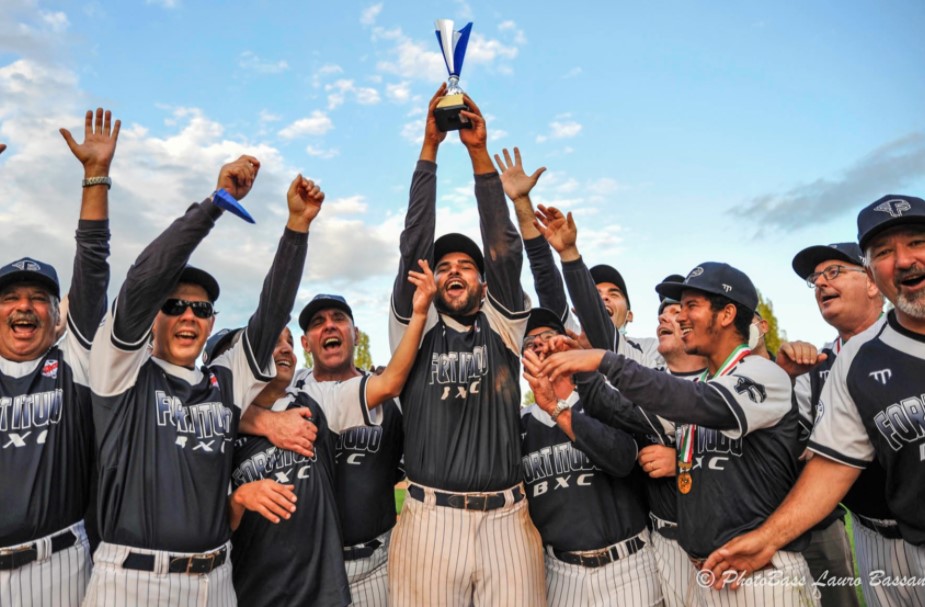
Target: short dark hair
column 743, row 318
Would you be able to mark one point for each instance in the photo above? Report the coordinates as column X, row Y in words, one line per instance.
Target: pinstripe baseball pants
column 53, row 579
column 369, row 577
column 880, row 561
column 787, row 582
column 675, row 571
column 113, row 586
column 630, row 581
column 442, row 556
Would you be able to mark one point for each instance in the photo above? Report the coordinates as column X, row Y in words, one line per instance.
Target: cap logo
column 27, row 266
column 694, row 273
column 895, row 207
column 726, row 287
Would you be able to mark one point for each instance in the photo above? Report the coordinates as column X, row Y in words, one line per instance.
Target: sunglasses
column 176, row 307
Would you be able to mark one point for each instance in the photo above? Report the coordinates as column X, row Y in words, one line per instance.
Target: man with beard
column 464, row 536
column 870, row 408
column 46, row 430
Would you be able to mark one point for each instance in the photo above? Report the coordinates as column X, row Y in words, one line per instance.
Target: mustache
column 913, row 272
column 28, row 317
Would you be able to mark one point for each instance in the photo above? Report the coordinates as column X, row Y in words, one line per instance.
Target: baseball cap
column 886, row 212
column 805, row 262
column 218, row 343
column 458, row 243
column 319, row 302
column 604, row 273
column 544, row 317
column 202, row 278
column 30, row 270
column 666, row 301
column 717, row 279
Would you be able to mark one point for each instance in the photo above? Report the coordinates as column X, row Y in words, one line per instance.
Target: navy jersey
column 745, row 445
column 46, row 429
column 461, row 402
column 581, row 493
column 299, row 561
column 872, row 407
column 368, row 458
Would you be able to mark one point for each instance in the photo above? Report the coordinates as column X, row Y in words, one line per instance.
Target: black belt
column 15, row 558
column 468, row 501
column 197, row 563
column 353, row 553
column 603, row 557
column 890, row 532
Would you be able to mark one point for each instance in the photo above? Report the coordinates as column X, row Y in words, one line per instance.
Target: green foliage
column 309, row 363
column 362, row 357
column 529, row 399
column 775, row 335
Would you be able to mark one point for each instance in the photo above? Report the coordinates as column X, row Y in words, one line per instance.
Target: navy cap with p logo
column 887, row 212
column 30, row 270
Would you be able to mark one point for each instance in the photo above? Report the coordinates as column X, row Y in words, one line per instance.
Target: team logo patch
column 213, row 381
column 50, row 369
column 756, row 391
column 694, row 273
column 726, row 287
column 895, row 207
column 27, row 266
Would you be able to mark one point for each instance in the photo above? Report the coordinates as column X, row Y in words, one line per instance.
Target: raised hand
column 475, row 138
column 238, row 177
column 798, row 357
column 559, row 230
column 268, row 498
column 304, row 199
column 543, row 392
column 517, row 184
column 567, row 363
column 433, row 136
column 425, row 287
column 99, row 144
column 2, row 147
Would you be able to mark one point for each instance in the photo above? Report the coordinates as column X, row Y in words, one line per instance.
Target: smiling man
column 46, row 430
column 735, row 425
column 870, row 409
column 165, row 427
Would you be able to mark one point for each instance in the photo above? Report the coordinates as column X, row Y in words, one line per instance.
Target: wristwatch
column 560, row 407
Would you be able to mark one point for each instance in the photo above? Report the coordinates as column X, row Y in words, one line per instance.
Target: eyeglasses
column 176, row 307
column 539, row 337
column 830, row 273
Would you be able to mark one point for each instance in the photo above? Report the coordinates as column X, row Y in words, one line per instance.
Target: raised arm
column 417, row 238
column 90, row 278
column 390, row 382
column 503, row 247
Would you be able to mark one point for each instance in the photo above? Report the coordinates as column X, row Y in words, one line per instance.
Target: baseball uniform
column 737, row 440
column 460, row 407
column 367, row 459
column 299, row 561
column 871, row 407
column 165, row 433
column 46, row 446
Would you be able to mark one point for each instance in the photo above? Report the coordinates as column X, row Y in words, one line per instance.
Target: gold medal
column 685, row 482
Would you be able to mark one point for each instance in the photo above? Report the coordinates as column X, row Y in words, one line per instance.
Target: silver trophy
column 453, row 45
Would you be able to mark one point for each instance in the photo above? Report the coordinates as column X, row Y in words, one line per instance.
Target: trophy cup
column 453, row 45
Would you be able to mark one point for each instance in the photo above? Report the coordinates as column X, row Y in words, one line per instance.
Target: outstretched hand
column 238, row 177
column 425, row 287
column 559, row 230
column 798, row 357
column 99, row 144
column 573, row 361
column 517, row 184
column 304, row 199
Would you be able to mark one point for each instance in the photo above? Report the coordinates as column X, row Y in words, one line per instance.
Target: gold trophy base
column 447, row 113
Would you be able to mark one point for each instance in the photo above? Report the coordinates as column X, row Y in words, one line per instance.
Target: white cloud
column 369, row 14
column 164, row 3
column 412, row 132
column 573, row 73
column 250, row 61
column 268, row 116
column 561, row 128
column 318, row 123
column 339, row 90
column 399, row 92
column 496, row 134
column 510, row 26
column 319, row 152
column 56, row 22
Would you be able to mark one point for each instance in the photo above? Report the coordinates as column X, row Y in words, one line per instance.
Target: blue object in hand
column 227, row 202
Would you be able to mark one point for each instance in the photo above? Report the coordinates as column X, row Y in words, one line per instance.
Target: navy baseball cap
column 604, row 273
column 667, row 301
column 805, row 262
column 218, row 343
column 886, row 212
column 544, row 317
column 202, row 278
column 30, row 270
column 717, row 279
column 458, row 243
column 319, row 302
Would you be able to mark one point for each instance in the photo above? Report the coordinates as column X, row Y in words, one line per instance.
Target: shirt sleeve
column 611, row 449
column 344, row 403
column 839, row 432
column 503, row 248
column 417, row 237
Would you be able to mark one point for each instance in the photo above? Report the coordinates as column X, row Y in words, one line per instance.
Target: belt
column 361, row 551
column 666, row 529
column 468, row 501
column 196, row 563
column 601, row 557
column 889, row 531
column 14, row 558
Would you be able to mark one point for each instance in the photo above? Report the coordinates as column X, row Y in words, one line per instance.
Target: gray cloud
column 888, row 168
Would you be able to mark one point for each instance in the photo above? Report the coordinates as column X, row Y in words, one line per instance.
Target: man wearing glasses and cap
column 870, row 409
column 165, row 427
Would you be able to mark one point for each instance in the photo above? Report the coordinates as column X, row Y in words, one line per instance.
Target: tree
column 309, row 363
column 362, row 358
column 775, row 335
column 529, row 399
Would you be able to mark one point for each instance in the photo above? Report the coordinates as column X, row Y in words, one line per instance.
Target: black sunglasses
column 176, row 307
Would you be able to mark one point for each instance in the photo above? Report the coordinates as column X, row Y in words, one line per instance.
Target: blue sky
column 676, row 131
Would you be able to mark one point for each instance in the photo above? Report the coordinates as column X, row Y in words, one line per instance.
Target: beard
column 461, row 306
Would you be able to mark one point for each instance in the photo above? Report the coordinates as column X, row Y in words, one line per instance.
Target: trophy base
column 447, row 114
